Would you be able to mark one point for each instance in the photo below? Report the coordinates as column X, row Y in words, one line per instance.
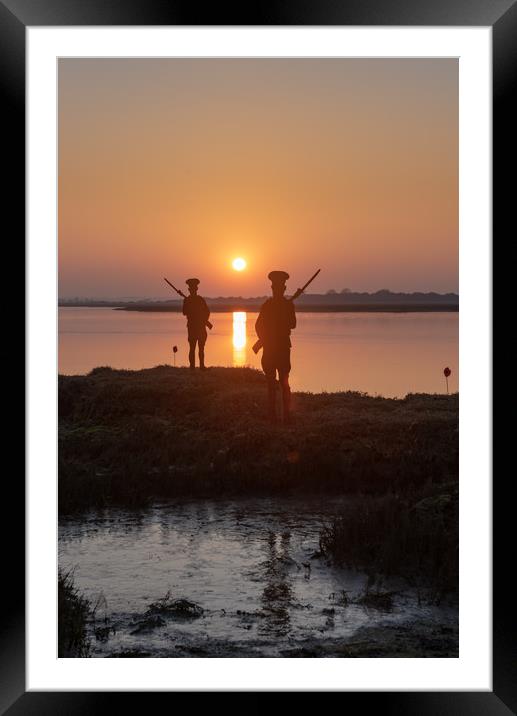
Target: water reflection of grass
column 126, row 437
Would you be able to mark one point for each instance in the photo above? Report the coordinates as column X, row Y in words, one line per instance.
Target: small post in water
column 174, row 351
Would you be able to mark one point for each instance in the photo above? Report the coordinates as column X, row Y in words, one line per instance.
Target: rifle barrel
column 310, row 280
column 170, row 284
column 180, row 293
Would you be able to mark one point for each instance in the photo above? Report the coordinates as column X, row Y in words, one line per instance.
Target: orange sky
column 174, row 167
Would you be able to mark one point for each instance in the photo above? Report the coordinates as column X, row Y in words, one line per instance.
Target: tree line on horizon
column 331, row 297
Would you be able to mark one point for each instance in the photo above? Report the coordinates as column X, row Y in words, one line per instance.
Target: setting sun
column 239, row 264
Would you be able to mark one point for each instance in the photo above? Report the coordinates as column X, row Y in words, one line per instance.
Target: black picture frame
column 15, row 17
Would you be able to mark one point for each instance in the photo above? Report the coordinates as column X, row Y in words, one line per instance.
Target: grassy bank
column 129, row 436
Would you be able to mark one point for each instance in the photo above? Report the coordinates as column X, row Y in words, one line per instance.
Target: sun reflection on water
column 239, row 338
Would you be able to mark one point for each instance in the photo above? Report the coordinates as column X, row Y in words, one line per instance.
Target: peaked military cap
column 192, row 282
column 278, row 276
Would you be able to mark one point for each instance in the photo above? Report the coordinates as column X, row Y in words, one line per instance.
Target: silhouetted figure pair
column 273, row 326
column 197, row 312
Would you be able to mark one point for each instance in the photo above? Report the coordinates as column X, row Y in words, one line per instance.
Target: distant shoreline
column 384, row 301
column 300, row 308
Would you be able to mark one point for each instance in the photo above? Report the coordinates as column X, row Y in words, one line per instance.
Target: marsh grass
column 74, row 612
column 413, row 535
column 126, row 437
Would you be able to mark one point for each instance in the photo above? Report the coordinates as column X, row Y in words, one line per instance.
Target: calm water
column 389, row 354
column 252, row 565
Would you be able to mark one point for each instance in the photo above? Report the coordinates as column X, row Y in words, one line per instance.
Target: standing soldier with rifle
column 273, row 326
column 197, row 313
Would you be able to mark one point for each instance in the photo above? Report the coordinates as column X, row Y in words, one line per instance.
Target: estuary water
column 234, row 578
column 389, row 354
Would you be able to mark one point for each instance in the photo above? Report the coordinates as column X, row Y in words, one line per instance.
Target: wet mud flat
column 240, row 578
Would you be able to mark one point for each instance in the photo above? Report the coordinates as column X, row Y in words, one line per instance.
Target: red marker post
column 447, row 372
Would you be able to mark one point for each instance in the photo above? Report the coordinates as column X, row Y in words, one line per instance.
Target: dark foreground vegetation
column 126, row 437
column 413, row 535
column 129, row 437
column 74, row 610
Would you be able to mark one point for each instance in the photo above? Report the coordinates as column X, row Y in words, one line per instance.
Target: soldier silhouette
column 197, row 313
column 273, row 327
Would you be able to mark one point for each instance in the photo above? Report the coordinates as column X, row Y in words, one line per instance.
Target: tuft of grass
column 177, row 608
column 73, row 614
column 127, row 437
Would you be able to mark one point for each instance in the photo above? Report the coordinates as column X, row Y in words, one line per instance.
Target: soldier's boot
column 192, row 358
column 286, row 400
column 202, row 360
column 271, row 400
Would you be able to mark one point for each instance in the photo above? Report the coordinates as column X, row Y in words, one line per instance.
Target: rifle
column 208, row 324
column 258, row 344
